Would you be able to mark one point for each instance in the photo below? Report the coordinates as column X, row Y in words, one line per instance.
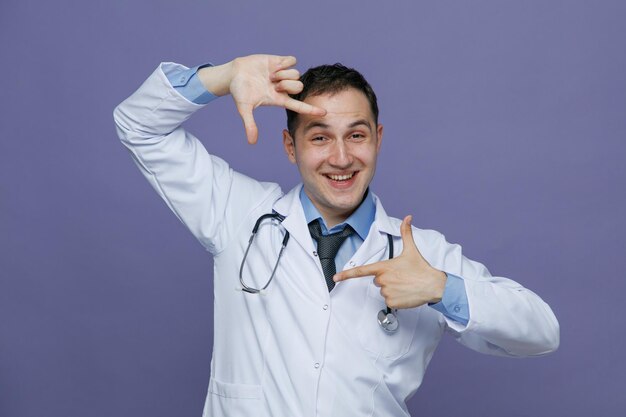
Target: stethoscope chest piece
column 388, row 320
column 387, row 317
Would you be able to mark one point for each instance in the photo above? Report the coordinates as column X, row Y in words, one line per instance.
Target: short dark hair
column 331, row 79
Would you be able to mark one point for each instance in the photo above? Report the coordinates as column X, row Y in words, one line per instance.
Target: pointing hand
column 405, row 281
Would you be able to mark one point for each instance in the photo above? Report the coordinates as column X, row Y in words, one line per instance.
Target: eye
column 357, row 136
column 318, row 138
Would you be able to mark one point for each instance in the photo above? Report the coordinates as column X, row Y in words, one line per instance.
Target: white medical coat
column 299, row 350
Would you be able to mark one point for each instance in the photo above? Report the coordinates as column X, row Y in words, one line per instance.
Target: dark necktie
column 327, row 247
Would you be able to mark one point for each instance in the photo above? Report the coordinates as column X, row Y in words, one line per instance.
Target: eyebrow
column 313, row 124
column 360, row 122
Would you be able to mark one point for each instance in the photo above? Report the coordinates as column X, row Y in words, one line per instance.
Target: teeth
column 340, row 177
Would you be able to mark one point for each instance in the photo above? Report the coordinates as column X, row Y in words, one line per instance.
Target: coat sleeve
column 206, row 195
column 506, row 319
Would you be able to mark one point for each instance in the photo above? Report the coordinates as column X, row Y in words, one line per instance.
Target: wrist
column 216, row 79
column 439, row 286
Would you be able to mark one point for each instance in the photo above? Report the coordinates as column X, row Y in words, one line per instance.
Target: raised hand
column 405, row 281
column 258, row 80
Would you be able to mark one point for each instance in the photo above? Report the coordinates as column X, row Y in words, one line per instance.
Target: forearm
column 195, row 185
column 504, row 317
column 153, row 111
column 173, row 161
column 511, row 318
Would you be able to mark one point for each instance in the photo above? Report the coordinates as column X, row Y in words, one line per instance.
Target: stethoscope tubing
column 387, row 318
column 272, row 215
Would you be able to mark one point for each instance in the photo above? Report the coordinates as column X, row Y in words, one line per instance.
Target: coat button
column 457, row 308
column 314, row 253
column 352, row 264
column 325, row 307
column 317, row 365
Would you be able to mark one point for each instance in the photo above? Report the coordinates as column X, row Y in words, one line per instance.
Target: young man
column 292, row 337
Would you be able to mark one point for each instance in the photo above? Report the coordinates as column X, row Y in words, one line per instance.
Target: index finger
column 360, row 271
column 302, row 107
column 286, row 62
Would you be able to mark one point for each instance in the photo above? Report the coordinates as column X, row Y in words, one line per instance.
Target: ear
column 379, row 138
column 290, row 146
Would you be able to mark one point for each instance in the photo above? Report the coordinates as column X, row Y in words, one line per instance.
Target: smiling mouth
column 344, row 177
column 340, row 178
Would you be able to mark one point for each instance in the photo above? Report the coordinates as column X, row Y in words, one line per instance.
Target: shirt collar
column 361, row 220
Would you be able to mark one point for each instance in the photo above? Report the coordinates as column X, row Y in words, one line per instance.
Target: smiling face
column 336, row 154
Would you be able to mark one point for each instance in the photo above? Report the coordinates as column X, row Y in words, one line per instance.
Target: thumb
column 252, row 132
column 408, row 244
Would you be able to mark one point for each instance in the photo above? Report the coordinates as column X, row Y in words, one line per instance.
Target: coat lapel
column 375, row 247
column 295, row 222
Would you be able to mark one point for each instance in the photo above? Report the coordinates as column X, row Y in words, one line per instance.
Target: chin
column 347, row 204
column 339, row 202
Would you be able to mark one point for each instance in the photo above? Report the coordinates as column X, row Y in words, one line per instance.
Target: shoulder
column 391, row 225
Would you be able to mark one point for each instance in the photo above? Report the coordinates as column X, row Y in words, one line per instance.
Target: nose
column 340, row 156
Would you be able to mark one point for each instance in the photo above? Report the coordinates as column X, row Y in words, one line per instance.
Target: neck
column 333, row 217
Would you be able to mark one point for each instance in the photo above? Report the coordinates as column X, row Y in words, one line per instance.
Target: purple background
column 505, row 128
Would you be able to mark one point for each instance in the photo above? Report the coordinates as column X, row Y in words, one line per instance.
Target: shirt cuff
column 186, row 82
column 454, row 303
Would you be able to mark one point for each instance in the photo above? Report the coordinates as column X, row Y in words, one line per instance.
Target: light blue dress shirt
column 360, row 221
column 453, row 304
column 187, row 83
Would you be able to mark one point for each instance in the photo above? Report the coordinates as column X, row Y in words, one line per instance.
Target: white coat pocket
column 226, row 399
column 375, row 340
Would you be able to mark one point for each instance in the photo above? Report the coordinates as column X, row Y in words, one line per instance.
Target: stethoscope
column 387, row 317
